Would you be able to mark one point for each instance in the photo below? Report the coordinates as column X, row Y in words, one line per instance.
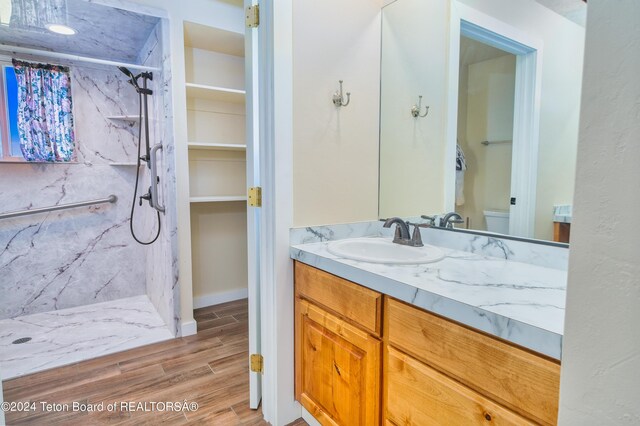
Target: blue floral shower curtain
column 45, row 120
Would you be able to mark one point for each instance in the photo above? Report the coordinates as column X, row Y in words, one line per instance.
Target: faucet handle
column 397, row 236
column 416, row 238
column 431, row 219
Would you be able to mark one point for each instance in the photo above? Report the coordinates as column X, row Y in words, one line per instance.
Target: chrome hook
column 415, row 110
column 338, row 98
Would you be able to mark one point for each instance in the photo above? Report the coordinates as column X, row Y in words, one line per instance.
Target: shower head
column 133, row 80
column 126, row 72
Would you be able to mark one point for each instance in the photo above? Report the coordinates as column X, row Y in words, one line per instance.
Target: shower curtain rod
column 48, row 54
column 110, row 199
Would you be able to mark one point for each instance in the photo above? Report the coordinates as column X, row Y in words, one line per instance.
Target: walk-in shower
column 150, row 156
column 72, row 278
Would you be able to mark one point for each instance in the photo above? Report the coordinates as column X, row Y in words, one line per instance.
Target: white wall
column 416, row 145
column 600, row 382
column 335, row 150
column 560, row 98
column 412, row 149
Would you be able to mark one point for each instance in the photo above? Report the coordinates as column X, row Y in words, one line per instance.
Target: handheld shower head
column 133, row 80
column 126, row 72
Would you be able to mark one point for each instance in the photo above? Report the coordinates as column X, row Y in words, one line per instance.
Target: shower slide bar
column 16, row 50
column 485, row 143
column 110, row 199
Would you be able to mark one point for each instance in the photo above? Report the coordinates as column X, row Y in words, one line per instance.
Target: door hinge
column 257, row 363
column 252, row 16
column 255, row 196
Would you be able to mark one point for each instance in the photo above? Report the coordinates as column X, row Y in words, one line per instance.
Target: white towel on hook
column 461, row 166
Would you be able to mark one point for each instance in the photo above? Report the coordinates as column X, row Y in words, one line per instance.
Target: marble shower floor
column 71, row 335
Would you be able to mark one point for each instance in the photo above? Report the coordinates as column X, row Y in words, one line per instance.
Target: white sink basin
column 382, row 250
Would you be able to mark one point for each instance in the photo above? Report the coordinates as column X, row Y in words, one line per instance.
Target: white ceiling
column 472, row 52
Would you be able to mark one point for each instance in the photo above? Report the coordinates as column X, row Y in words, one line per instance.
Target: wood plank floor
column 209, row 368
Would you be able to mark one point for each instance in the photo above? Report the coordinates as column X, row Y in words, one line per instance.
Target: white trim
column 308, row 417
column 526, row 123
column 188, row 328
column 252, row 112
column 451, row 131
column 212, row 299
column 276, row 170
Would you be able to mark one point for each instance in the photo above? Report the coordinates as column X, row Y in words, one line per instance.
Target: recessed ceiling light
column 60, row 29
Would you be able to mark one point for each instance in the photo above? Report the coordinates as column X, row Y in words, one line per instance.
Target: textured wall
column 600, row 383
column 86, row 255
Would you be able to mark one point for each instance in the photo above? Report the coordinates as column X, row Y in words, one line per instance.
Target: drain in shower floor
column 21, row 340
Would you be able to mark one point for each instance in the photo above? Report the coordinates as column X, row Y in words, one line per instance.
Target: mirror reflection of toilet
column 497, row 221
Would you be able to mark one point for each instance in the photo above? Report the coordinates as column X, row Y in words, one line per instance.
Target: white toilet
column 497, row 221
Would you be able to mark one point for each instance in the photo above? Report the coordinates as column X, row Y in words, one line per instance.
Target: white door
column 253, row 213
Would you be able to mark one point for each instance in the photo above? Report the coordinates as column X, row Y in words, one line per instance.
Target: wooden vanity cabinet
column 337, row 358
column 416, row 394
column 416, row 369
column 494, row 378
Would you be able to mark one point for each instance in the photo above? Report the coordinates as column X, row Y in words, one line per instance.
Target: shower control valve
column 146, row 196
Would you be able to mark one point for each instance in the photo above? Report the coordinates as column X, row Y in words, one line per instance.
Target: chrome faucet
column 449, row 219
column 402, row 232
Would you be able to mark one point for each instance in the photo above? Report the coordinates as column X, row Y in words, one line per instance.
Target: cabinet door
column 526, row 383
column 337, row 368
column 419, row 395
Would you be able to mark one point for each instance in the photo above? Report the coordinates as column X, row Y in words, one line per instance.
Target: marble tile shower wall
column 162, row 257
column 80, row 256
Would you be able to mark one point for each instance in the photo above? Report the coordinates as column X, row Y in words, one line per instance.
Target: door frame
column 252, row 105
column 486, row 29
column 276, row 175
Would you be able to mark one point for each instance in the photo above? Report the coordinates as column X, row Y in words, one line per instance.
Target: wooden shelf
column 215, row 93
column 218, row 199
column 134, row 118
column 214, row 39
column 217, row 146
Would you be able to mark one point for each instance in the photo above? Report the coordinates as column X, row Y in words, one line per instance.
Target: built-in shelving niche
column 214, row 66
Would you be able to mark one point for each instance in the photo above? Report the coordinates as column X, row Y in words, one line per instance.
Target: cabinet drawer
column 524, row 382
column 419, row 395
column 337, row 368
column 357, row 304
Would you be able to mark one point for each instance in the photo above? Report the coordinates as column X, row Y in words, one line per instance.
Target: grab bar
column 154, row 201
column 110, row 199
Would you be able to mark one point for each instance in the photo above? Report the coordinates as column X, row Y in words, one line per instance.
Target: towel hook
column 338, row 98
column 415, row 109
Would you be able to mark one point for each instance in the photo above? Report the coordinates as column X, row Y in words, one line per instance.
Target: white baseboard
column 188, row 328
column 307, row 417
column 217, row 298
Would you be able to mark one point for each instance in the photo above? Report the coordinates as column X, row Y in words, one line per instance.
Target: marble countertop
column 562, row 213
column 519, row 302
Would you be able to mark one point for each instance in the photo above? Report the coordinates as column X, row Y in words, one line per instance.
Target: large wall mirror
column 479, row 112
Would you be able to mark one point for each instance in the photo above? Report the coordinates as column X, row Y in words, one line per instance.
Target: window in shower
column 10, row 147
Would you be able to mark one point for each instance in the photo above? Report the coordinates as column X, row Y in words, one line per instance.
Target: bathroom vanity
column 389, row 344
